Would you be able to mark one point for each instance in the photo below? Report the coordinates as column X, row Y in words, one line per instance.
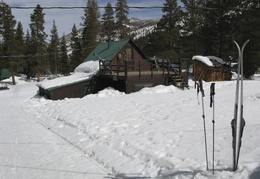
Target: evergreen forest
column 197, row 27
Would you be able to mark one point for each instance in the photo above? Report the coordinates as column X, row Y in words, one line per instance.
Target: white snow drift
column 157, row 132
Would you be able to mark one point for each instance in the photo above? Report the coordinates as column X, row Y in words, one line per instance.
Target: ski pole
column 204, row 123
column 212, row 93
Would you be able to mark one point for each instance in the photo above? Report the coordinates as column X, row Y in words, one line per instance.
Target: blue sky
column 66, row 18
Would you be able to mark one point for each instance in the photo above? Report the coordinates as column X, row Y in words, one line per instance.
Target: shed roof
column 107, row 50
column 203, row 59
column 83, row 72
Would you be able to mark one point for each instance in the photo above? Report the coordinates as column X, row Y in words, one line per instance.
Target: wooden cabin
column 123, row 66
column 210, row 68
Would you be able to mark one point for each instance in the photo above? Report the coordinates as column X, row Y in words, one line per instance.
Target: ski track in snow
column 156, row 132
column 28, row 150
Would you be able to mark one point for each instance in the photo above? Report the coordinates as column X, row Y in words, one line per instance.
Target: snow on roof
column 84, row 71
column 203, row 59
column 219, row 60
column 87, row 67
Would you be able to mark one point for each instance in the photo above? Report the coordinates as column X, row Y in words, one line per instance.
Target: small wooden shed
column 71, row 90
column 76, row 85
column 210, row 68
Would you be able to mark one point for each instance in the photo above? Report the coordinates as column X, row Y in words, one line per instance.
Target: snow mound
column 84, row 71
column 158, row 89
column 107, row 92
column 203, row 59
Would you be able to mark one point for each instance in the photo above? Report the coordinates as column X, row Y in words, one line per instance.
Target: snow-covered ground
column 157, row 132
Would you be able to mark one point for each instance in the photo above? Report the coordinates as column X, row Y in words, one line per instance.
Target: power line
column 138, row 7
column 100, row 7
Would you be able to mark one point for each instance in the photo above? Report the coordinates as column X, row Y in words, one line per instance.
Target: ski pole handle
column 212, row 93
column 201, row 88
column 212, row 89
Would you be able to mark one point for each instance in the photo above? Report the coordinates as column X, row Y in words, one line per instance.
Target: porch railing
column 137, row 67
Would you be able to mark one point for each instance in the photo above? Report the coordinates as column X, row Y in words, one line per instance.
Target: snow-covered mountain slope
column 139, row 28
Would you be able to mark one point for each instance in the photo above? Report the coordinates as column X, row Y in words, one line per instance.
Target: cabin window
column 129, row 58
column 129, row 54
column 139, row 86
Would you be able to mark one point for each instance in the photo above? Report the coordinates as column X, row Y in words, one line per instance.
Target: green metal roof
column 107, row 50
column 5, row 73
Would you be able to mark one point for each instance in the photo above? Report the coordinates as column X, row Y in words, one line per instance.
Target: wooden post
column 125, row 69
column 168, row 67
column 163, row 66
column 151, row 66
column 117, row 65
column 139, row 66
column 180, row 66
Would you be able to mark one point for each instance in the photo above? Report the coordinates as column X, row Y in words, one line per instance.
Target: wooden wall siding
column 203, row 72
column 44, row 92
column 71, row 91
column 132, row 56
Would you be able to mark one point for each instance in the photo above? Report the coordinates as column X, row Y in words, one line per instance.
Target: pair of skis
column 238, row 122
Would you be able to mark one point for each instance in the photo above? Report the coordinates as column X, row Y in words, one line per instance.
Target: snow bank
column 107, row 92
column 84, row 71
column 111, row 92
column 158, row 89
column 203, row 60
column 159, row 134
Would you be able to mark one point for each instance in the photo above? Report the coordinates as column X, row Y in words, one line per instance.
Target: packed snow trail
column 29, row 150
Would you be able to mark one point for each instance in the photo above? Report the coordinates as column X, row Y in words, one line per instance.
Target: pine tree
column 30, row 62
column 249, row 28
column 2, row 5
column 108, row 26
column 8, row 44
column 64, row 66
column 170, row 25
column 20, row 47
column 53, row 49
column 19, row 39
column 7, row 32
column 192, row 23
column 76, row 57
column 122, row 21
column 38, row 37
column 219, row 27
column 91, row 27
